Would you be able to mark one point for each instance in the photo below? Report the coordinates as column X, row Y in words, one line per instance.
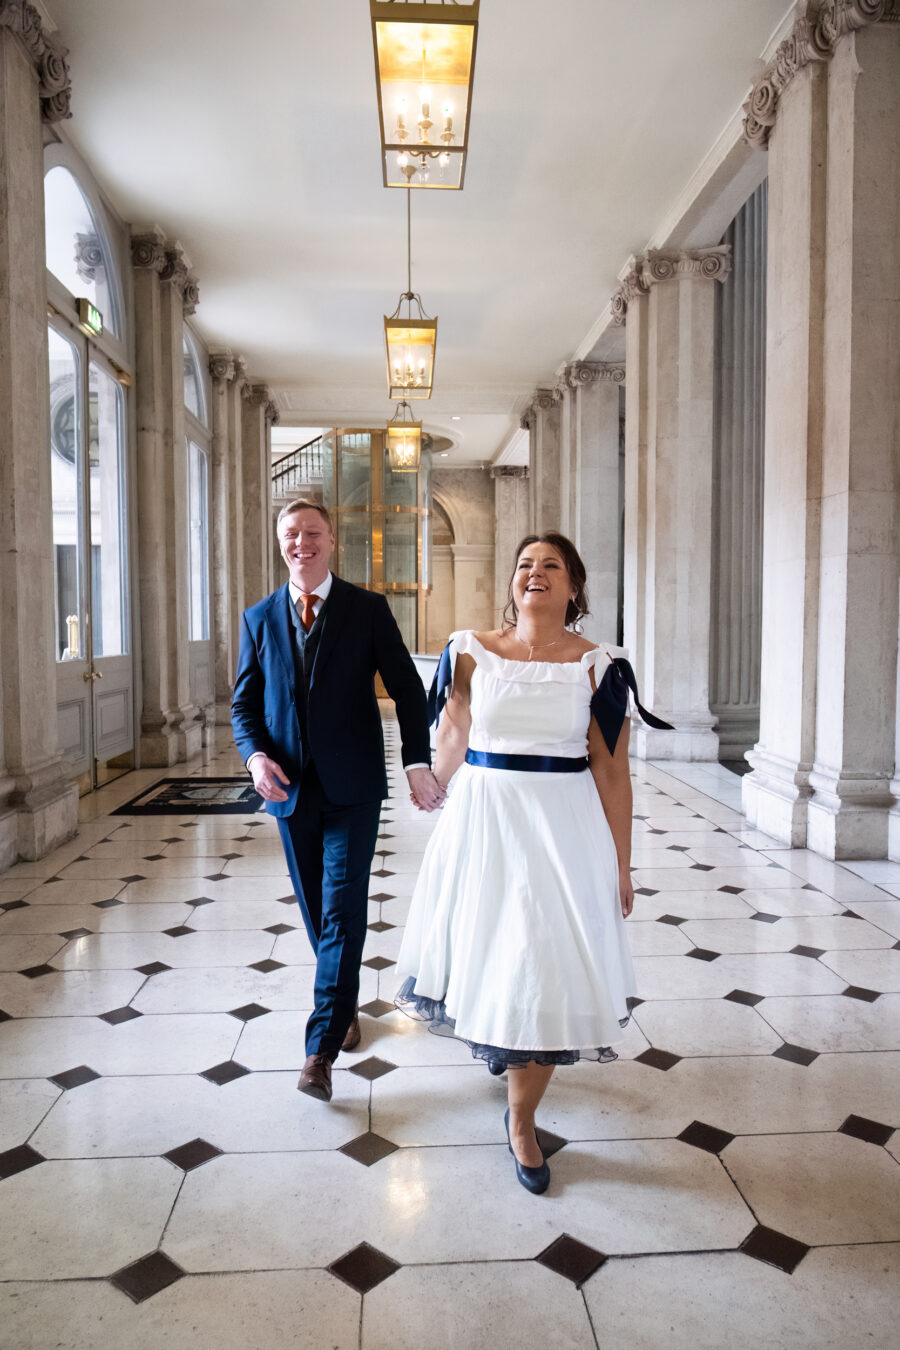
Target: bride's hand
column 626, row 892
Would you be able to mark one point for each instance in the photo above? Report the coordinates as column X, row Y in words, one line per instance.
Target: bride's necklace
column 531, row 646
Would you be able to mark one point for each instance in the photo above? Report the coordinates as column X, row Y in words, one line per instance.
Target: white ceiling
column 248, row 130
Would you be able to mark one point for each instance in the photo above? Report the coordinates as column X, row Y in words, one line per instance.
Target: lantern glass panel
column 410, row 355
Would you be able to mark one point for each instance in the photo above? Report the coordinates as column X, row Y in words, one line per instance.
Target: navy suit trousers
column 329, row 851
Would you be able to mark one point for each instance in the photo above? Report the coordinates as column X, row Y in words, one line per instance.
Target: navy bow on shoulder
column 440, row 687
column 609, row 704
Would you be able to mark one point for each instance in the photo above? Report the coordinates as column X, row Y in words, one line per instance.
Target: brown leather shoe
column 354, row 1035
column 315, row 1078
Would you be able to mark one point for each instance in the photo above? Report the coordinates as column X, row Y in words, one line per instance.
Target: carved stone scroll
column 50, row 58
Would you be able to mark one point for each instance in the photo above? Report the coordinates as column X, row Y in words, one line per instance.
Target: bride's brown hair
column 576, row 608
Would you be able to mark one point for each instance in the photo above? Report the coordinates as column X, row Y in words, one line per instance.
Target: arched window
column 77, row 249
column 194, row 390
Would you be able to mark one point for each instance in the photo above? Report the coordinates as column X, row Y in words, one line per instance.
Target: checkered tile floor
column 732, row 1180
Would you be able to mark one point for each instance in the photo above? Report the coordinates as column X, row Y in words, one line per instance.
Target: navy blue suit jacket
column 359, row 637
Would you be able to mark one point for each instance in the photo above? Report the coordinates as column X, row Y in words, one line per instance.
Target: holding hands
column 425, row 790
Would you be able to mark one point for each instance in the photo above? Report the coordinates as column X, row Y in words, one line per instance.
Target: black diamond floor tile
column 286, row 900
column 135, row 876
column 572, row 1259
column 384, row 853
column 633, row 1003
column 201, row 900
column 73, row 1078
column 708, row 1137
column 5, row 1016
column 279, row 928
column 652, row 831
column 775, row 1249
column 762, row 917
column 153, row 857
column 181, row 930
column 744, row 996
column 227, row 1072
column 147, row 1277
column 216, row 876
column 77, row 933
column 35, row 972
column 380, row 926
column 378, row 963
column 658, row 1059
column 15, row 1160
column 811, row 952
column 384, row 872
column 111, row 904
column 14, row 904
column 249, row 1011
column 266, row 966
column 731, row 890
column 152, row 968
column 363, row 1268
column 703, row 954
column 796, row 1054
column 702, row 867
column 645, row 890
column 678, row 848
column 872, row 1131
column 549, row 1142
column 229, row 857
column 808, row 886
column 850, row 914
column 368, row 1148
column 119, row 1015
column 373, row 1068
column 382, row 895
column 864, row 995
column 377, row 1008
column 194, row 1154
column 672, row 919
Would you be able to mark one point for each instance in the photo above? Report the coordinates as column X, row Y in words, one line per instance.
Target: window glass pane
column 193, row 389
column 198, row 541
column 105, row 447
column 78, row 254
column 66, row 489
column 403, row 608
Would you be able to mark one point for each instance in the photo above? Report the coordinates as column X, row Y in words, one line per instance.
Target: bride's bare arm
column 613, row 779
column 456, row 719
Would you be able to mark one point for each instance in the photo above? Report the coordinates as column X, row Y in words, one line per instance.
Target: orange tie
column 307, row 616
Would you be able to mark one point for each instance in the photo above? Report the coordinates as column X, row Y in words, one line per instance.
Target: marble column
column 590, row 515
column 259, row 413
column 511, row 523
column 38, row 803
column 678, row 371
column 630, row 306
column 235, row 394
column 545, row 461
column 222, row 371
column 170, row 729
column 828, row 109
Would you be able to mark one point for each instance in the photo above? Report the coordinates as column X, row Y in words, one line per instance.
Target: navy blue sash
column 486, row 759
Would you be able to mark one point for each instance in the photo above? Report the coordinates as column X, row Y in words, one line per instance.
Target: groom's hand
column 425, row 789
column 267, row 777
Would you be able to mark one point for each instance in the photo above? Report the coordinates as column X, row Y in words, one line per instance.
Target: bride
column 516, row 935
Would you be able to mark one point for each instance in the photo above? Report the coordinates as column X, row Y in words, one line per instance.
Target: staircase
column 299, row 473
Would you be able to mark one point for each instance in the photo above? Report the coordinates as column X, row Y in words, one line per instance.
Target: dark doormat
column 194, row 796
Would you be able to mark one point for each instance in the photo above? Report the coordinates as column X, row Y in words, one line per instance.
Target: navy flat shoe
column 534, row 1179
column 496, row 1067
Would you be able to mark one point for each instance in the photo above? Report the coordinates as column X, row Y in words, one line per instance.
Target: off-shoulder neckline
column 511, row 660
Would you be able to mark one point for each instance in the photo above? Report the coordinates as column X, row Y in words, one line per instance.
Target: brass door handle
column 92, row 675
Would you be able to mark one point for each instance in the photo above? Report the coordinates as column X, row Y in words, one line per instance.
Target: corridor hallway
column 731, row 1181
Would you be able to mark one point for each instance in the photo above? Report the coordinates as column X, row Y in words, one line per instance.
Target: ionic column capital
column 221, row 366
column 632, row 286
column 544, row 400
column 818, row 28
column 509, row 471
column 260, row 396
column 148, row 250
column 49, row 57
column 581, row 373
column 707, row 264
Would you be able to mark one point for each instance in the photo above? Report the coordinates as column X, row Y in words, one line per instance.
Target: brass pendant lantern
column 410, row 340
column 424, row 67
column 404, row 441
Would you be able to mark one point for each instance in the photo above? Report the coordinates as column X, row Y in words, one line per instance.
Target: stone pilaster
column 827, row 109
column 38, row 805
column 170, row 731
column 631, row 306
column 473, row 585
column 222, row 371
column 677, row 367
column 511, row 523
column 545, row 460
column 591, row 486
column 259, row 414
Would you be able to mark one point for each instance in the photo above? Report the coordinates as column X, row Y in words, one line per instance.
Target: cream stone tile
column 704, row 1027
column 661, row 977
column 136, row 918
column 656, row 939
column 76, row 892
column 430, row 1106
column 269, row 865
column 819, row 1188
column 714, row 1300
column 831, row 932
column 513, row 1304
column 111, row 951
column 156, row 828
column 128, row 850
column 262, row 889
column 883, row 914
column 871, row 970
column 399, row 884
column 405, row 843
column 852, row 1084
column 256, row 915
column 277, row 1041
column 646, row 858
column 259, row 1113
column 402, row 1040
column 395, row 911
column 219, row 990
column 294, row 948
column 39, row 1047
column 98, row 869
column 692, row 905
column 65, row 1220
column 725, row 855
column 830, row 1022
column 68, row 993
column 757, row 839
column 13, row 888
column 795, row 903
column 268, row 1310
column 383, row 944
column 23, row 1104
column 832, row 878
column 37, row 949
column 879, row 870
column 695, row 880
column 399, row 863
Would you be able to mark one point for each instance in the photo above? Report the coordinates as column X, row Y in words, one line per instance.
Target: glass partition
column 77, row 250
column 106, row 447
column 198, row 542
column 67, row 490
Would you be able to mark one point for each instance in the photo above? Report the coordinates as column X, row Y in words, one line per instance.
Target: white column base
column 775, row 798
column 9, row 839
column 894, row 823
column 685, row 743
column 848, row 817
column 46, row 814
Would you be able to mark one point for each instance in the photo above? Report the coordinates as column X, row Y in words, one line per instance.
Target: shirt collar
column 322, row 590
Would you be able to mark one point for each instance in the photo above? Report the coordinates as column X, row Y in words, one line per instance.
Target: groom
column 306, row 723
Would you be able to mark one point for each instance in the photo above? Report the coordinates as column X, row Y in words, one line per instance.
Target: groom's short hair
column 303, row 504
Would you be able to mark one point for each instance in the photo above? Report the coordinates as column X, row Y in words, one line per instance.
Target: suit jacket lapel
column 279, row 621
column 333, row 619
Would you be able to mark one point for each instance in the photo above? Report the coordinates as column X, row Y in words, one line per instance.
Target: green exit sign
column 90, row 320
